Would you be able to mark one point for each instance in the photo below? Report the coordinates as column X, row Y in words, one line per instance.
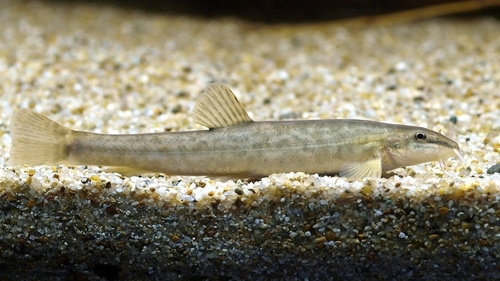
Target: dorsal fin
column 218, row 107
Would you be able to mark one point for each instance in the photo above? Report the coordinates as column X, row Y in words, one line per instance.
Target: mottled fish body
column 234, row 145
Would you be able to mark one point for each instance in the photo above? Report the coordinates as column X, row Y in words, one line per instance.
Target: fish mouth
column 459, row 153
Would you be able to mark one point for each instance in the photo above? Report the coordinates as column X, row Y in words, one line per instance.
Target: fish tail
column 37, row 140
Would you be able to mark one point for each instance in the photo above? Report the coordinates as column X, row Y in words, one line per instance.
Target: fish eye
column 420, row 136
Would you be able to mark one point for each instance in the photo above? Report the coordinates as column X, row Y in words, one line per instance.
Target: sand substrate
column 107, row 70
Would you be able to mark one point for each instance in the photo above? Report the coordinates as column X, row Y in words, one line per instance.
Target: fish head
column 410, row 145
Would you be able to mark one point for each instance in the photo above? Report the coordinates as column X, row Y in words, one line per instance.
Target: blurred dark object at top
column 276, row 11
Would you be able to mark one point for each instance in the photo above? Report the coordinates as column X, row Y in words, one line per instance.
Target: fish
column 234, row 145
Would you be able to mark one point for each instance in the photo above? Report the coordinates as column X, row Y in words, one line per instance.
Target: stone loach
column 143, row 72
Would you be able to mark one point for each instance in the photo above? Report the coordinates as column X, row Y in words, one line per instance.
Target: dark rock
column 493, row 169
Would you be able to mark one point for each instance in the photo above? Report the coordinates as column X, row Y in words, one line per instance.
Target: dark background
column 279, row 11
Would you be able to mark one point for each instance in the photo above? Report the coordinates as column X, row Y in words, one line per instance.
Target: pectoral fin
column 127, row 171
column 359, row 170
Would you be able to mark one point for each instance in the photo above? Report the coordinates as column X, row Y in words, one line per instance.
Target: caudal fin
column 37, row 140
